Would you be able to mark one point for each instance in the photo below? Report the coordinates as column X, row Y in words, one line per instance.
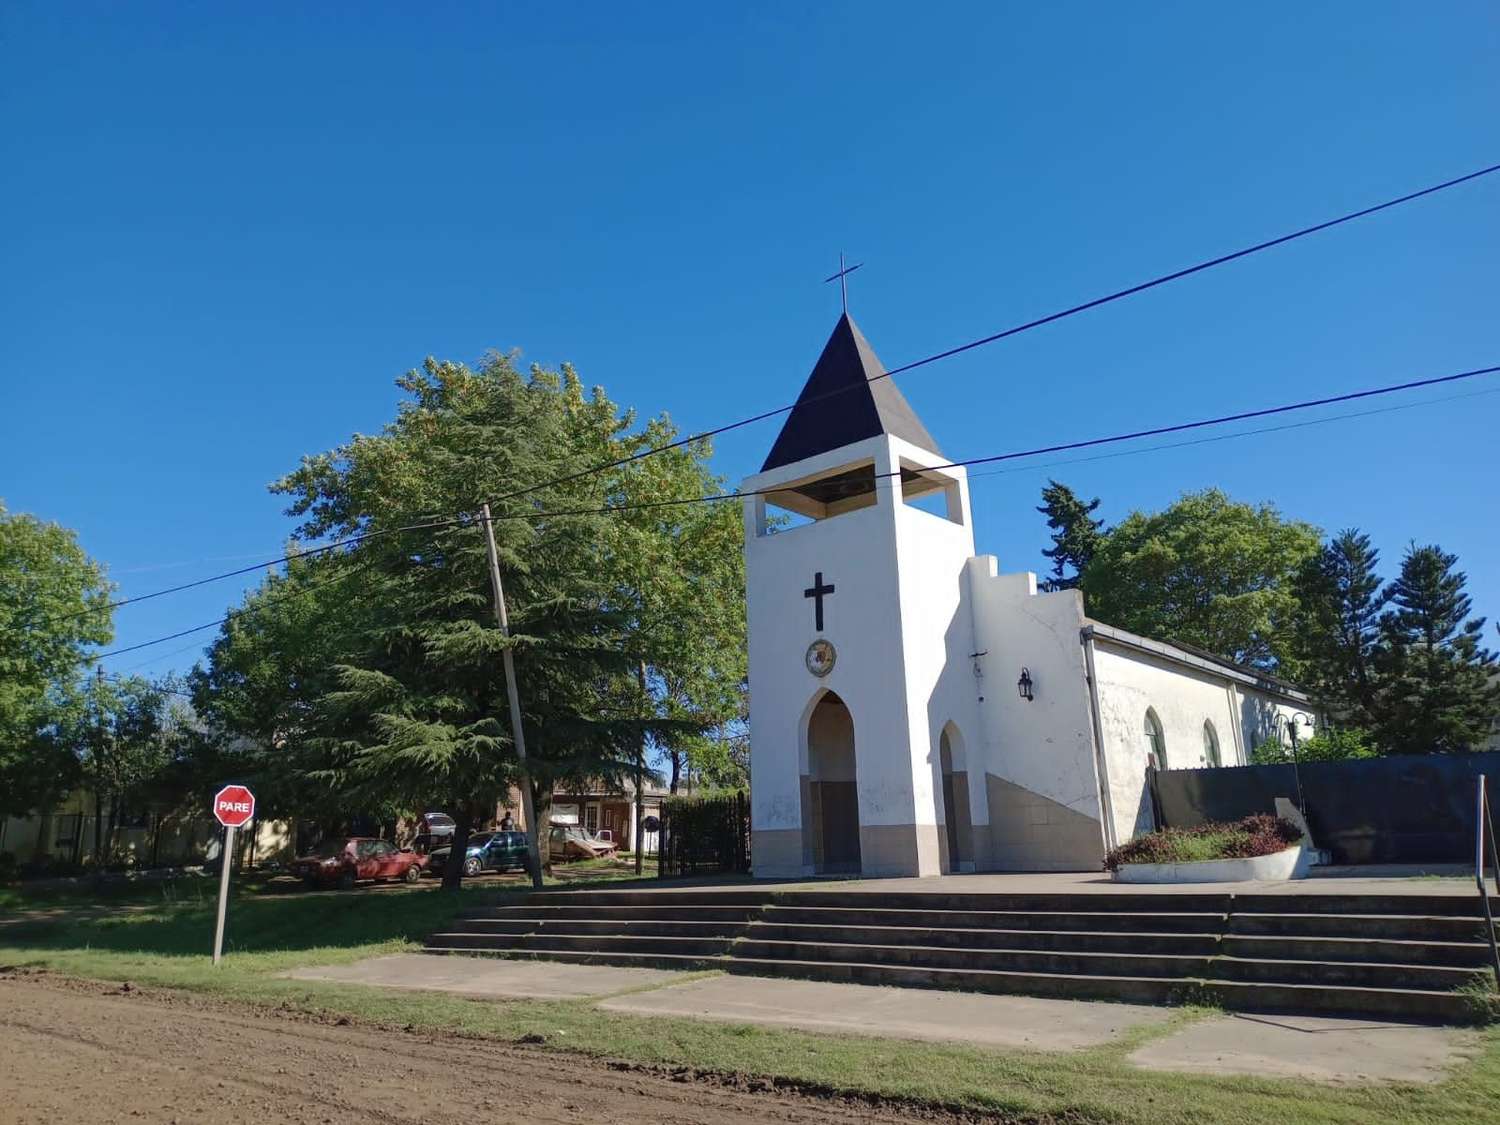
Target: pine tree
column 1439, row 692
column 1076, row 535
column 1338, row 631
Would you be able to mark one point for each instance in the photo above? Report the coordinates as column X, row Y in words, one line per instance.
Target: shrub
column 1343, row 745
column 9, row 869
column 1262, row 834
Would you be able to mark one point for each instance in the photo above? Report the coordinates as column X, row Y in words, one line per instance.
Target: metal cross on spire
column 841, row 276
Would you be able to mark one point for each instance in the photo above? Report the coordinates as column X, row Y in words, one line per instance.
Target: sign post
column 234, row 805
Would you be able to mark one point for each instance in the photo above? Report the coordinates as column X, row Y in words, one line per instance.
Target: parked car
column 342, row 860
column 486, row 851
column 568, row 841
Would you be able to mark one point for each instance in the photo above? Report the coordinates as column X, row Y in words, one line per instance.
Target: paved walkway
column 1320, row 1048
column 895, row 1013
column 489, row 976
column 1316, row 1047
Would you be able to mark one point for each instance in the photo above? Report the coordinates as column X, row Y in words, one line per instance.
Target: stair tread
column 1466, row 945
column 1406, row 967
column 1219, row 982
column 1204, row 914
column 954, row 949
column 725, row 939
column 1340, row 917
column 1133, row 935
column 953, row 971
column 1172, row 981
column 599, row 921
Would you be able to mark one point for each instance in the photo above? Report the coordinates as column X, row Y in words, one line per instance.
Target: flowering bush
column 1262, row 834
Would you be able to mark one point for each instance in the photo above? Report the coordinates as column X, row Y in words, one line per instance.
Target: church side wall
column 1266, row 717
column 1183, row 698
column 1033, row 785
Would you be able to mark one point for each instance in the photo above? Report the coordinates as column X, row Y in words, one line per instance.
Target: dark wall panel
column 1416, row 809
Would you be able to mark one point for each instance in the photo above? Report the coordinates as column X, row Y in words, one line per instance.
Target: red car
column 342, row 860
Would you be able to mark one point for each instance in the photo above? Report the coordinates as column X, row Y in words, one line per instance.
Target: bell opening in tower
column 847, row 488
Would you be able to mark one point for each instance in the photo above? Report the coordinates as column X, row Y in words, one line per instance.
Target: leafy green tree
column 125, row 752
column 1076, row 534
column 54, row 604
column 1207, row 571
column 681, row 569
column 417, row 711
column 257, row 697
column 1439, row 692
column 1338, row 634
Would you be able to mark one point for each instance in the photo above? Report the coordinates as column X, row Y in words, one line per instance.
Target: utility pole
column 528, row 805
column 640, row 785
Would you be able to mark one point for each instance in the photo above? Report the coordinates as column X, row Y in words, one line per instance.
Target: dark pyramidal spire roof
column 828, row 415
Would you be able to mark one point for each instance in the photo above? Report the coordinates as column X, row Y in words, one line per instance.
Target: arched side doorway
column 956, row 818
column 833, row 789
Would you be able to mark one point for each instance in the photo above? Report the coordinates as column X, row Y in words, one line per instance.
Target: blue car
column 487, row 851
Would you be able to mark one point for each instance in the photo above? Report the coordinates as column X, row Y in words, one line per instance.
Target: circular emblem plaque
column 820, row 658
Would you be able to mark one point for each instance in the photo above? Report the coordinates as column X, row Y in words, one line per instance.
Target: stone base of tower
column 777, row 853
column 900, row 849
column 884, row 850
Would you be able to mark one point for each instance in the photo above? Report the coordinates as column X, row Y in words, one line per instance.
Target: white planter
column 1290, row 863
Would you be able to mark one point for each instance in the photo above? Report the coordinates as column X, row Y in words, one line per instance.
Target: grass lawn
column 164, row 940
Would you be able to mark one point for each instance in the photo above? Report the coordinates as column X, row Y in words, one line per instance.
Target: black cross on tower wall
column 817, row 591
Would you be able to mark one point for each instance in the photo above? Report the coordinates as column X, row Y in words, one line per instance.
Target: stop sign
column 234, row 805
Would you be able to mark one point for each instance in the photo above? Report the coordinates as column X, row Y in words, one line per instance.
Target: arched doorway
column 956, row 820
column 832, row 787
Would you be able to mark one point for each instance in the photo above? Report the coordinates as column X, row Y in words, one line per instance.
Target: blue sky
column 230, row 228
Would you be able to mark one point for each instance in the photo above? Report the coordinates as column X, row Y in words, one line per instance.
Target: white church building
column 913, row 711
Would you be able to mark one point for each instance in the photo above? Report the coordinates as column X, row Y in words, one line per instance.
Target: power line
column 1061, row 447
column 1087, row 443
column 292, row 557
column 764, row 415
column 1015, row 330
column 246, row 611
column 1239, row 434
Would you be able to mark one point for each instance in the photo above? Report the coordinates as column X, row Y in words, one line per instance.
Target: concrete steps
column 1356, row 954
column 1472, row 954
column 1400, row 927
column 1076, row 921
column 967, row 937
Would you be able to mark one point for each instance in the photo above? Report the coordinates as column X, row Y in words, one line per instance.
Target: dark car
column 487, row 851
column 342, row 860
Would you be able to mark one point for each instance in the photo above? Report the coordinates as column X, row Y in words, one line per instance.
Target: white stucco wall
column 896, row 573
column 1183, row 696
column 910, row 610
column 931, row 552
column 1044, row 745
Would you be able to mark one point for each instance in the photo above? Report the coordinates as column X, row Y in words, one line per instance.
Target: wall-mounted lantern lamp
column 1023, row 685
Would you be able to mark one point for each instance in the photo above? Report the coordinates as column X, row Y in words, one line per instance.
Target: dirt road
column 84, row 1053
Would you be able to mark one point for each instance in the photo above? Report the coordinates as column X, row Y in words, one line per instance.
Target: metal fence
column 1407, row 809
column 705, row 835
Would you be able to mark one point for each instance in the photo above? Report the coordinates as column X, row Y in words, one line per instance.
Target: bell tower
column 856, row 540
